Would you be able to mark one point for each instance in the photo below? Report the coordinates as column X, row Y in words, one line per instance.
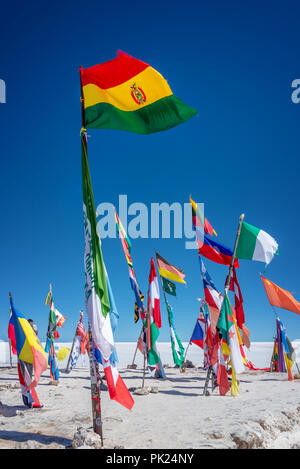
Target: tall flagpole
column 226, row 288
column 94, row 366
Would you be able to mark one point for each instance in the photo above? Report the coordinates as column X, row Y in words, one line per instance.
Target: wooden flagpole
column 226, row 288
column 94, row 366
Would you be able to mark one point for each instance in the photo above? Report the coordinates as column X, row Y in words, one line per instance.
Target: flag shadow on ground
column 16, row 436
column 179, row 393
column 11, row 410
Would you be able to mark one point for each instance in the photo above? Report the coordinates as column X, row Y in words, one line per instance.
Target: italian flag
column 96, row 292
column 153, row 315
column 255, row 244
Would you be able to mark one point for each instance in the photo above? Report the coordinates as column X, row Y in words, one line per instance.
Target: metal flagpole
column 94, row 366
column 226, row 288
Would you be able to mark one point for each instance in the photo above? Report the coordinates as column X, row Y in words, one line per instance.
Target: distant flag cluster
column 139, row 297
column 283, row 354
column 202, row 334
column 81, row 343
column 56, row 319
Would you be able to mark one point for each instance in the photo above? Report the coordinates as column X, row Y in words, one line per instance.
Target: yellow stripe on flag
column 150, row 81
column 234, row 385
column 225, row 349
column 63, row 352
column 170, row 275
column 31, row 341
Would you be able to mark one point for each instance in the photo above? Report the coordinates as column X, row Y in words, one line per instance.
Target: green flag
column 169, row 286
column 177, row 347
column 255, row 244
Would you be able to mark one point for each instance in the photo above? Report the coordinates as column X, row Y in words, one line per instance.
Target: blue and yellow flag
column 28, row 346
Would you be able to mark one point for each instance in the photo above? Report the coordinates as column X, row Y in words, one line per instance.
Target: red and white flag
column 219, row 367
column 116, row 387
column 239, row 309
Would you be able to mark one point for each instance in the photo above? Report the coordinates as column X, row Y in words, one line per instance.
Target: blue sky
column 234, row 63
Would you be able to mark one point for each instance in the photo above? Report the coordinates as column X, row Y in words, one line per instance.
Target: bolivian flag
column 127, row 94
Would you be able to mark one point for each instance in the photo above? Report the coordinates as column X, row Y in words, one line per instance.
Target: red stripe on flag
column 114, row 72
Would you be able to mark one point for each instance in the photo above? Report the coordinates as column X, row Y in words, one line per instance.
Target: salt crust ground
column 265, row 415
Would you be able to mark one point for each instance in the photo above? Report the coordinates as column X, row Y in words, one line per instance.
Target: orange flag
column 280, row 297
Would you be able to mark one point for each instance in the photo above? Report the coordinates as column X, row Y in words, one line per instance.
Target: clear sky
column 234, row 62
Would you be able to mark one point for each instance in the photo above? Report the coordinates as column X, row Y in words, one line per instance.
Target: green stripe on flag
column 225, row 320
column 247, row 241
column 153, row 356
column 160, row 115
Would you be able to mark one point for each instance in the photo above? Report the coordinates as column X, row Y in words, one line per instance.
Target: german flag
column 168, row 270
column 128, row 94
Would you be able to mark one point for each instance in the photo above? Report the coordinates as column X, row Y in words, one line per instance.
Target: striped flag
column 199, row 221
column 228, row 329
column 153, row 315
column 128, row 94
column 139, row 297
column 96, row 291
column 218, row 365
column 239, row 309
column 213, row 297
column 169, row 271
column 29, row 349
column 116, row 387
column 11, row 334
